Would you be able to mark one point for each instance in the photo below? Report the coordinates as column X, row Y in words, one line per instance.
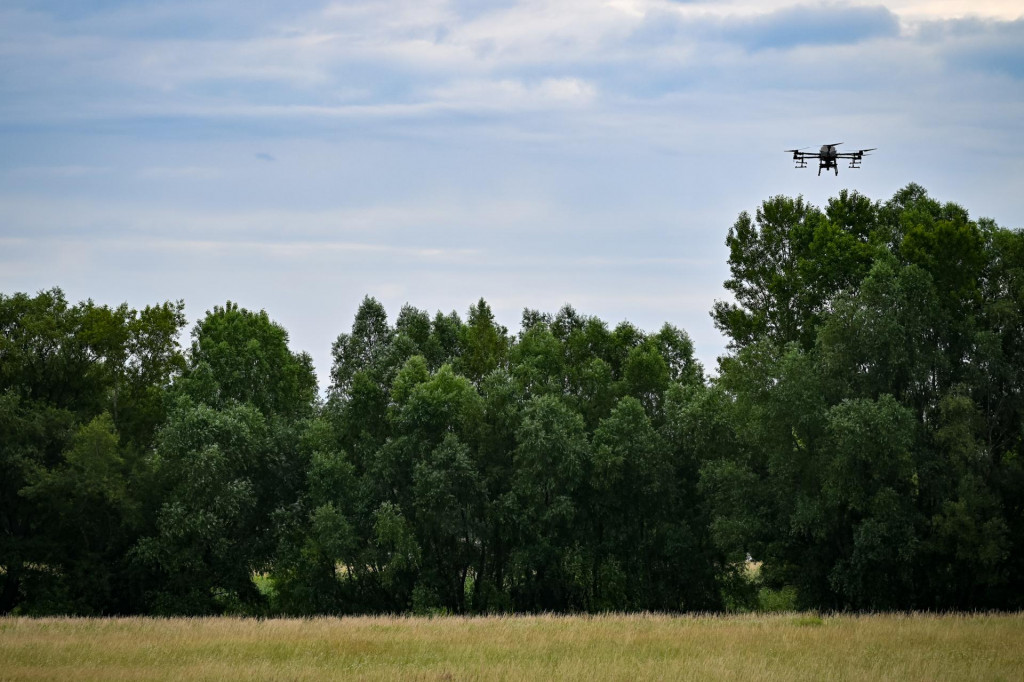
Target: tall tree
column 228, row 458
column 485, row 343
column 859, row 473
column 787, row 263
column 71, row 375
column 549, row 567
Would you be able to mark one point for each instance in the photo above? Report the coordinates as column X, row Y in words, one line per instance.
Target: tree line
column 860, row 444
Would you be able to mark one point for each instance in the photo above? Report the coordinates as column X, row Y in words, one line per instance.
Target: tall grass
column 613, row 647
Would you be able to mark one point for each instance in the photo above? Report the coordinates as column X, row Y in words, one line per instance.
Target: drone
column 828, row 157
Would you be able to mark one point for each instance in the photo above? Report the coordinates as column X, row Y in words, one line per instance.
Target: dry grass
column 776, row 647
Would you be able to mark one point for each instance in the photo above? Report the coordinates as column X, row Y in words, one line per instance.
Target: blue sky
column 298, row 156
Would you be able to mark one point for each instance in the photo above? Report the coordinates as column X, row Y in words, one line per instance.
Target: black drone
column 828, row 157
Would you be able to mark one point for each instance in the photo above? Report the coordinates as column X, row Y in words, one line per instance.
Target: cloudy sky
column 298, row 156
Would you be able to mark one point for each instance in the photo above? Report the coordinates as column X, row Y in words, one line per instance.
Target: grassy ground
column 768, row 647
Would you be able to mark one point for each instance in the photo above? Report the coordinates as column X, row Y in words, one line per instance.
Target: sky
column 296, row 157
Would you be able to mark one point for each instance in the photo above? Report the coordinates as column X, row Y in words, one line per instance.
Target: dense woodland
column 861, row 442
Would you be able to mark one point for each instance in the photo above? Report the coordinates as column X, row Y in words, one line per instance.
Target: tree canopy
column 859, row 448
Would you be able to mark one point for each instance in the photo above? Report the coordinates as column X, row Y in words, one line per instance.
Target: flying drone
column 828, row 157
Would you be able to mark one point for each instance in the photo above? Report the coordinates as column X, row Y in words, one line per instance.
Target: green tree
column 228, row 460
column 645, row 376
column 84, row 504
column 249, row 361
column 211, row 528
column 364, row 349
column 485, row 343
column 449, row 508
column 788, row 261
column 63, row 366
column 872, row 465
column 320, row 563
column 551, row 466
column 634, row 485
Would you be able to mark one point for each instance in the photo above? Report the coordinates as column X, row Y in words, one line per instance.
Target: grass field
column 766, row 647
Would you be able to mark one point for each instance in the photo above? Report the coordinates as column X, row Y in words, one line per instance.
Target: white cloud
column 506, row 94
column 909, row 9
column 1006, row 10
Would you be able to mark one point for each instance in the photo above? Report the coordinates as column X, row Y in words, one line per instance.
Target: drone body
column 828, row 157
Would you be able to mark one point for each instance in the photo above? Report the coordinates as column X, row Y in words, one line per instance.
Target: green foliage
column 81, row 395
column 242, row 357
column 872, row 437
column 783, row 599
column 229, row 460
column 860, row 444
column 485, row 344
column 206, row 544
column 789, row 261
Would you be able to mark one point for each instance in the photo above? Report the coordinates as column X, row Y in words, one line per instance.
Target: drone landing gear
column 837, row 170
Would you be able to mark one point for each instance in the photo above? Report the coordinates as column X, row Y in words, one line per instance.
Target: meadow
column 608, row 647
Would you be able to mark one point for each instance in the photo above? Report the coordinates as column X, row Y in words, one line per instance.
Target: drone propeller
column 787, row 151
column 835, row 144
